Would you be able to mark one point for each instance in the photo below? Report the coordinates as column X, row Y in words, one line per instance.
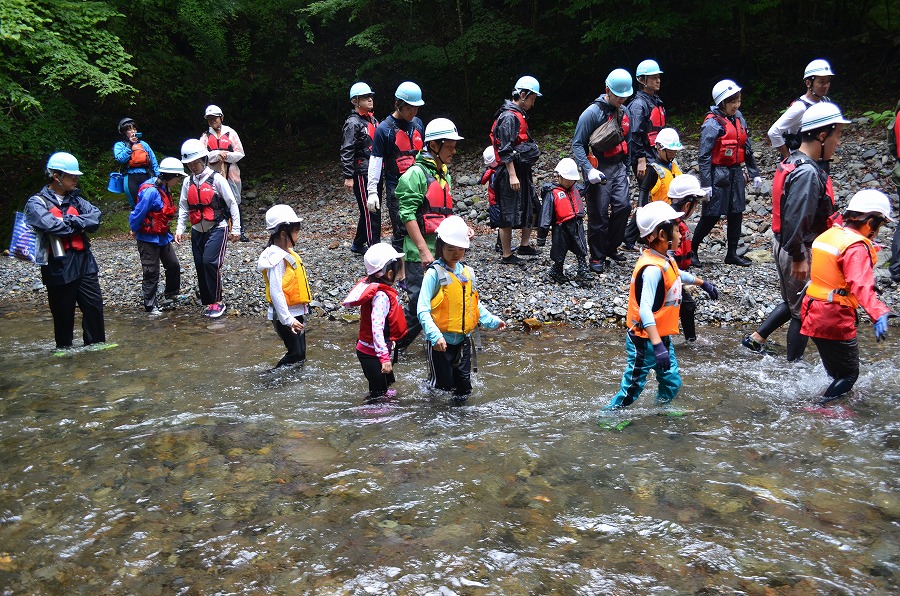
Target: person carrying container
column 381, row 319
column 150, row 221
column 600, row 148
column 563, row 212
column 785, row 132
column 648, row 117
column 225, row 150
column 449, row 311
column 802, row 208
column 136, row 158
column 356, row 147
column 654, row 183
column 206, row 202
column 398, row 139
column 71, row 274
column 684, row 193
column 841, row 280
column 654, row 301
column 516, row 152
column 725, row 148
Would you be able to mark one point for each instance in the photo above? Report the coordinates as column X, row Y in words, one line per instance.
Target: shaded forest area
column 281, row 69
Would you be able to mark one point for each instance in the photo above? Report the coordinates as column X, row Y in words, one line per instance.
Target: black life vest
column 157, row 222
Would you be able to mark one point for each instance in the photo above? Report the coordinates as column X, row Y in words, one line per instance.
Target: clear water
column 175, row 464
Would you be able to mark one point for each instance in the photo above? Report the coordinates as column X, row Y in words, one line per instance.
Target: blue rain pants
column 640, row 362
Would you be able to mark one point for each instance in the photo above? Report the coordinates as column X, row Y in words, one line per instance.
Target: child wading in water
column 684, row 193
column 563, row 210
column 287, row 288
column 381, row 320
column 449, row 310
column 654, row 302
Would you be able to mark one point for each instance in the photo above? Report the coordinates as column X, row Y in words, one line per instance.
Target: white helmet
column 871, row 201
column 280, row 214
column 192, row 150
column 379, row 256
column 652, row 214
column 821, row 114
column 213, row 110
column 723, row 90
column 441, row 128
column 171, row 165
column 568, row 169
column 818, row 68
column 489, row 156
column 454, row 231
column 685, row 185
column 668, row 139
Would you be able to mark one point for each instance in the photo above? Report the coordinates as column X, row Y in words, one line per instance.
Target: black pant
column 894, row 267
column 85, row 293
column 378, row 381
column 132, row 184
column 209, row 252
column 568, row 237
column 841, row 361
column 707, row 223
column 608, row 207
column 368, row 228
column 294, row 342
column 451, row 370
column 414, row 275
column 151, row 255
column 398, row 228
column 686, row 314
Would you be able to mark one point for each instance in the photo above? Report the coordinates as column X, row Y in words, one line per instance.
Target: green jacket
column 410, row 193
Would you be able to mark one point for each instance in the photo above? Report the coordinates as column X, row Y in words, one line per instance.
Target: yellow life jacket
column 294, row 283
column 826, row 280
column 660, row 191
column 454, row 307
column 667, row 304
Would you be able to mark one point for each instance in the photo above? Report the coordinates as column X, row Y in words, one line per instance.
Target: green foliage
column 879, row 119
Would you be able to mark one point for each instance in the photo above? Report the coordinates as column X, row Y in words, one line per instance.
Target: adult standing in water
column 398, row 139
column 516, row 152
column 206, row 201
column 71, row 274
column 136, row 158
column 604, row 160
column 225, row 150
column 785, row 133
column 356, row 147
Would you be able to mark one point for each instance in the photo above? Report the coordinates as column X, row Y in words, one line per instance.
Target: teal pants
column 640, row 362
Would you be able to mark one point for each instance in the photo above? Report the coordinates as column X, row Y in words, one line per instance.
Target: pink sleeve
column 857, row 268
column 381, row 304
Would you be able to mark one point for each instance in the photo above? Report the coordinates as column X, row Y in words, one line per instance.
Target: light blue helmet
column 64, row 162
column 647, row 67
column 410, row 93
column 528, row 83
column 619, row 82
column 360, row 89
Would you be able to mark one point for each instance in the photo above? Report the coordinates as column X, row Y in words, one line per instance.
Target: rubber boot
column 732, row 258
column 557, row 274
column 584, row 272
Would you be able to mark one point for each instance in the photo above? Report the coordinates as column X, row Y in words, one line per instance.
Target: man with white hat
column 785, row 133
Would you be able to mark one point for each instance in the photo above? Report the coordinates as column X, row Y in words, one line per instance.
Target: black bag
column 609, row 134
column 527, row 153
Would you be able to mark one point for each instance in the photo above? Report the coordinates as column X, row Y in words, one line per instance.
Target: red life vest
column 222, row 143
column 204, row 203
column 657, row 123
column 730, row 147
column 437, row 206
column 157, row 222
column 72, row 241
column 408, row 145
column 522, row 137
column 488, row 178
column 361, row 295
column 782, row 171
column 683, row 254
column 621, row 148
column 897, row 135
column 567, row 204
column 139, row 156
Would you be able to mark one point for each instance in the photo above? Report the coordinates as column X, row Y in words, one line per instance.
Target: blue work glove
column 661, row 353
column 710, row 290
column 881, row 327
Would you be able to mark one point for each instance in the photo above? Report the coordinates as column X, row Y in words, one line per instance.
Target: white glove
column 757, row 183
column 707, row 191
column 373, row 203
column 595, row 176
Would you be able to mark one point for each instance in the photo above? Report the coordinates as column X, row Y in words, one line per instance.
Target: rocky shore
column 513, row 292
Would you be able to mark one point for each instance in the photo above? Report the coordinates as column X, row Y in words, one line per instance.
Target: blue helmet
column 410, row 93
column 528, row 83
column 64, row 162
column 647, row 67
column 360, row 89
column 619, row 82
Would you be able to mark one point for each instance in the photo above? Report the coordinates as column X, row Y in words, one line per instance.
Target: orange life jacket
column 438, row 203
column 667, row 303
column 72, row 241
column 204, row 203
column 657, row 123
column 522, row 137
column 157, row 222
column 361, row 295
column 567, row 204
column 826, row 280
column 139, row 156
column 782, row 171
column 408, row 145
column 730, row 147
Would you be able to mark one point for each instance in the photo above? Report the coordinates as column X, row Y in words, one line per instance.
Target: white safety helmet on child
column 652, row 214
column 668, row 139
column 280, row 214
column 441, row 129
column 454, row 231
column 379, row 256
column 870, row 200
column 171, row 165
column 684, row 186
column 821, row 114
column 192, row 150
column 818, row 68
column 489, row 156
column 568, row 169
column 213, row 110
column 64, row 162
column 723, row 90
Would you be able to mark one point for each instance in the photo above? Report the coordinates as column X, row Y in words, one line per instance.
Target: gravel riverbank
column 515, row 293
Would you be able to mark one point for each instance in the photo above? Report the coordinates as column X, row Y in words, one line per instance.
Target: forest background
column 281, row 69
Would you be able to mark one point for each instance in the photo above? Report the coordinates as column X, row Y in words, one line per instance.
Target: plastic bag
column 27, row 244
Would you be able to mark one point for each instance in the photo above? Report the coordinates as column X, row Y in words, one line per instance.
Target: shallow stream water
column 175, row 464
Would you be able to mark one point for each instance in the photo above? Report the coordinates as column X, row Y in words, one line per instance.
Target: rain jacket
column 727, row 182
column 235, row 154
column 596, row 114
column 641, row 127
column 507, row 135
column 356, row 146
column 122, row 153
column 805, row 207
column 411, row 189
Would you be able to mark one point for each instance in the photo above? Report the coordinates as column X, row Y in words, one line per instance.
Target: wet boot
column 732, row 258
column 584, row 272
column 557, row 274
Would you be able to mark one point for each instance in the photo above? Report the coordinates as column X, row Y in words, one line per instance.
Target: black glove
column 661, row 353
column 710, row 290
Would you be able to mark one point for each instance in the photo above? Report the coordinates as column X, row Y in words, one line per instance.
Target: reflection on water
column 176, row 464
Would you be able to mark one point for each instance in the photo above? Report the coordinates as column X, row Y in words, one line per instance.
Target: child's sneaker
column 753, row 345
column 390, row 393
column 215, row 310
